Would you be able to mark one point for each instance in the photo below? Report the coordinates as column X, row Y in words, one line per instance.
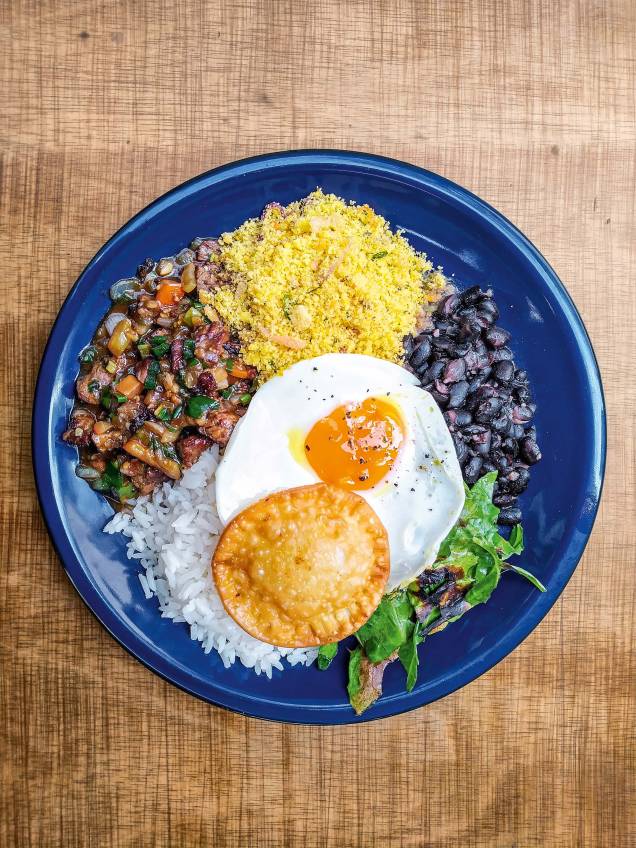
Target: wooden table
column 108, row 103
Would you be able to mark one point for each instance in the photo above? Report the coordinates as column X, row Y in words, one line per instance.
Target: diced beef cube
column 89, row 387
column 80, row 428
column 191, row 447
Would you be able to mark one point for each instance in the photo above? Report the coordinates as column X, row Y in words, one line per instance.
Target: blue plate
column 475, row 244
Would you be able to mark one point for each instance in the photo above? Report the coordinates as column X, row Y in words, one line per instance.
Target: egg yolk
column 356, row 445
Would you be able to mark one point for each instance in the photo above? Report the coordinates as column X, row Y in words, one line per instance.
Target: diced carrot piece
column 129, row 386
column 170, row 293
column 241, row 371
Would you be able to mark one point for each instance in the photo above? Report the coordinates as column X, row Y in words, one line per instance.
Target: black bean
column 459, row 349
column 454, row 371
column 503, row 500
column 472, row 360
column 532, row 432
column 529, row 450
column 461, row 450
column 448, row 305
column 502, row 353
column 501, row 462
column 469, row 329
column 474, row 429
column 488, row 409
column 481, row 443
column 523, row 394
column 496, row 441
column 484, row 362
column 443, row 343
column 450, row 417
column 472, row 469
column 469, row 313
column 442, row 388
column 521, row 377
column 488, row 310
column 433, row 372
column 523, row 414
column 472, row 295
column 510, row 430
column 485, row 392
column 441, row 400
column 497, row 337
column 511, row 447
column 477, row 381
column 487, row 467
column 463, row 417
column 482, row 320
column 501, row 423
column 510, row 516
column 516, row 430
column 408, row 343
column 446, row 328
column 420, row 354
column 504, row 371
column 458, row 394
column 518, row 480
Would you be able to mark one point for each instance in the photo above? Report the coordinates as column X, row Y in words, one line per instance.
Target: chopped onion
column 112, row 320
column 220, row 377
column 285, row 341
column 85, row 472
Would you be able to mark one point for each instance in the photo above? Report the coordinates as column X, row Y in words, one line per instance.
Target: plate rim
column 241, row 703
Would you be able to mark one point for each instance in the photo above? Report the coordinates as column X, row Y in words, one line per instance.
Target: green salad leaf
column 409, row 657
column 388, row 628
column 529, row 576
column 326, row 653
column 355, row 685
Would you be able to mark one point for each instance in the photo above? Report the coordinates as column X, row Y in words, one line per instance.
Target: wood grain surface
column 105, row 104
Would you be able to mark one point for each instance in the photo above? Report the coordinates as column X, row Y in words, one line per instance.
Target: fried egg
column 360, row 423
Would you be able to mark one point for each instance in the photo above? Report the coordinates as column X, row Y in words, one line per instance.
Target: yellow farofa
column 321, row 276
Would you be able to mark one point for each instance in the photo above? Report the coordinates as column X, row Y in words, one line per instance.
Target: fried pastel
column 304, row 566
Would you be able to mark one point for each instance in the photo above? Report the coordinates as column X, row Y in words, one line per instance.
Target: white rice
column 172, row 534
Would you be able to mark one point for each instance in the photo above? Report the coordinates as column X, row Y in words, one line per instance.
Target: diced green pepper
column 160, row 346
column 126, row 492
column 151, row 377
column 87, row 356
column 199, row 405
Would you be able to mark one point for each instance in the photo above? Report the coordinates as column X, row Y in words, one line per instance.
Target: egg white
column 420, row 499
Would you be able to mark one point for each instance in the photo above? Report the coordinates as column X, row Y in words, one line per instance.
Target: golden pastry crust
column 303, row 567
